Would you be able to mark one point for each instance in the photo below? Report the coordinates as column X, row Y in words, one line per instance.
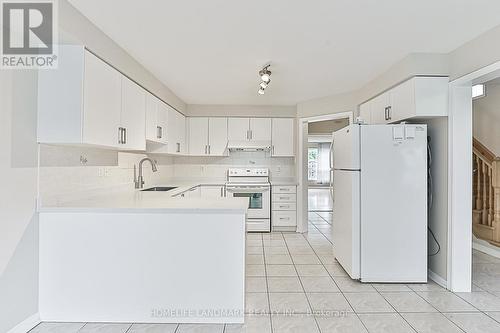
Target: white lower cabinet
column 213, row 191
column 284, row 208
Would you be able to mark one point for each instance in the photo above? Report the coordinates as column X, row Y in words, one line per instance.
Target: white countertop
column 126, row 199
column 284, row 181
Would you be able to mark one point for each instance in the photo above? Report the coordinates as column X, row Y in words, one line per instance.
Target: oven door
column 259, row 199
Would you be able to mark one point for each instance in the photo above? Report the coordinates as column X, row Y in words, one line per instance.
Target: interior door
column 102, row 103
column 133, row 115
column 260, row 129
column 217, row 136
column 238, row 129
column 198, row 135
column 346, row 221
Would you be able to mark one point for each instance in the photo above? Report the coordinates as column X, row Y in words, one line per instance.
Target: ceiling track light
column 265, row 76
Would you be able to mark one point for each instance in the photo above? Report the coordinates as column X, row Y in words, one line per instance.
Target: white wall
column 18, row 218
column 241, row 110
column 438, row 218
column 486, row 118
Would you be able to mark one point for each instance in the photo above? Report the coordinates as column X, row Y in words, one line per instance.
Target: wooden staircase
column 486, row 194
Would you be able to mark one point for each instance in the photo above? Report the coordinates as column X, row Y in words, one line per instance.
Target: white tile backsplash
column 64, row 174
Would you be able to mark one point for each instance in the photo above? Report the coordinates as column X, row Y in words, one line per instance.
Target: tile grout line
column 265, row 277
column 340, row 290
column 302, row 285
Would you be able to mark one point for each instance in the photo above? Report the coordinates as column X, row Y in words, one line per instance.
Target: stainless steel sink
column 158, row 189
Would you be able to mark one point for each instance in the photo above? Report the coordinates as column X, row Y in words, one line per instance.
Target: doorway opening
column 315, row 170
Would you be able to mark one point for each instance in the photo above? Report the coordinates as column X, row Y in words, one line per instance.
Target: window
column 478, row 91
column 312, row 159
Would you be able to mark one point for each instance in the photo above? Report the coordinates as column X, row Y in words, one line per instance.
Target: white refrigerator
column 379, row 228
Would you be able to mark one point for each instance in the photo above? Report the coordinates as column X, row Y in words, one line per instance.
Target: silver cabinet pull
column 178, row 147
column 251, row 135
column 389, row 113
column 120, row 135
column 221, row 191
column 124, row 136
column 206, row 149
column 248, row 134
column 158, row 132
column 209, row 152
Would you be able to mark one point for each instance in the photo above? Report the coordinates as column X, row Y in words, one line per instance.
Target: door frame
column 303, row 185
column 460, row 132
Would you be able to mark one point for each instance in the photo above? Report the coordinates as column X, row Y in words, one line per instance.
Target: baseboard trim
column 486, row 249
column 27, row 324
column 436, row 278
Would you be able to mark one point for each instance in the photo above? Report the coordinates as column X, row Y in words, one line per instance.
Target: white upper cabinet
column 101, row 103
column 156, row 119
column 249, row 129
column 86, row 101
column 283, row 137
column 418, row 97
column 198, row 135
column 207, row 136
column 260, row 129
column 364, row 112
column 217, row 136
column 133, row 115
column 176, row 132
column 238, row 129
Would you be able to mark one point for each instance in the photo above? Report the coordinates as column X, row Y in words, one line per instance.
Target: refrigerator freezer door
column 346, row 221
column 393, row 204
column 346, row 148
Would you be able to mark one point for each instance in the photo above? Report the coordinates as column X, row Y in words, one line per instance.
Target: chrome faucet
column 139, row 182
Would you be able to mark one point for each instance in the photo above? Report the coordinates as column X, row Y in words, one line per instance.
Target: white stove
column 252, row 183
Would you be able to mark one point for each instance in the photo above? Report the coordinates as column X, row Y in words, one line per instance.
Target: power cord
column 429, row 193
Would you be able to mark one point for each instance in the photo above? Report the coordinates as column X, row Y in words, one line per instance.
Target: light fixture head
column 265, row 74
column 264, row 84
column 261, row 91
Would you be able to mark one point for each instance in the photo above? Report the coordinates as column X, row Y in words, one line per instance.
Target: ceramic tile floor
column 295, row 285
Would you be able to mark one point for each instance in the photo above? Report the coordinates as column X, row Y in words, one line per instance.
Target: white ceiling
column 209, row 51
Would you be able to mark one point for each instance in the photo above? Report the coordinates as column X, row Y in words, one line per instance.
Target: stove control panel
column 248, row 172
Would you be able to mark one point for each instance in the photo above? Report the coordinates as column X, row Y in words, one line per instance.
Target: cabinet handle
column 124, row 136
column 248, row 134
column 221, row 191
column 120, row 136
column 284, row 218
column 251, row 135
column 158, row 132
column 209, row 150
column 389, row 113
column 206, row 149
column 385, row 114
column 178, row 147
column 272, row 150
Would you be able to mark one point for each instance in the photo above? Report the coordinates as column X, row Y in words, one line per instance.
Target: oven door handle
column 246, row 189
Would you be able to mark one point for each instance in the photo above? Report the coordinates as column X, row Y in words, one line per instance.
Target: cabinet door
column 181, row 133
column 217, row 130
column 172, row 130
column 282, row 137
column 102, row 103
column 364, row 112
column 162, row 121
column 402, row 102
column 133, row 115
column 212, row 191
column 260, row 129
column 152, row 131
column 198, row 135
column 378, row 109
column 238, row 129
